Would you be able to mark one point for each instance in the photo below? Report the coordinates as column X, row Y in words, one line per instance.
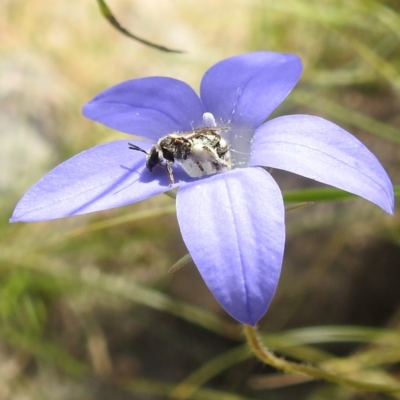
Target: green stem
column 106, row 12
column 269, row 358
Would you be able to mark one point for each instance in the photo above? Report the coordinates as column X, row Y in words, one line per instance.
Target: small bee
column 200, row 152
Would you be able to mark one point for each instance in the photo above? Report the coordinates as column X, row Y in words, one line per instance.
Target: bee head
column 154, row 156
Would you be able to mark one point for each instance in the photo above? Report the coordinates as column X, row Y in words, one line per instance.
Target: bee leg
column 170, row 173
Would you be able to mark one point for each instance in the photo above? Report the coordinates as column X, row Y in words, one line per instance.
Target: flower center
column 239, row 139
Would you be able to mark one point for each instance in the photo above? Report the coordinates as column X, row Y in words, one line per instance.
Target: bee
column 200, row 152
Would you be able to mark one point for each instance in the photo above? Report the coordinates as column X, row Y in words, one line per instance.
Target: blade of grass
column 108, row 15
column 146, row 386
column 323, row 194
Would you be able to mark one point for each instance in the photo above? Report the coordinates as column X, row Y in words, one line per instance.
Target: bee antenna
column 134, row 147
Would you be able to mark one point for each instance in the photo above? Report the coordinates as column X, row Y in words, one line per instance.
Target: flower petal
column 320, row 150
column 233, row 227
column 147, row 107
column 106, row 176
column 245, row 89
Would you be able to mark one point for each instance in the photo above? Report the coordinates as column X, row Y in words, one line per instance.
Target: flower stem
column 267, row 357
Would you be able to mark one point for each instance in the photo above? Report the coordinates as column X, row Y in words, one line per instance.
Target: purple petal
column 148, row 107
column 233, row 227
column 106, row 176
column 320, row 150
column 245, row 89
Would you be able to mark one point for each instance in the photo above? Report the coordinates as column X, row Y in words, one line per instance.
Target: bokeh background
column 88, row 309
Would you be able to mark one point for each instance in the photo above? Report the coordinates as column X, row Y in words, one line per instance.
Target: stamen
column 208, row 120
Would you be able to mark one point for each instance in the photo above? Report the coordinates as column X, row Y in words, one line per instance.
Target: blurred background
column 88, row 309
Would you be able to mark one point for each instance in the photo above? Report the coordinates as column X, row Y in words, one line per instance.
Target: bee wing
column 195, row 133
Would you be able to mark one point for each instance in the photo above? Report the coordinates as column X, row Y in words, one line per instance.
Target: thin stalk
column 267, row 357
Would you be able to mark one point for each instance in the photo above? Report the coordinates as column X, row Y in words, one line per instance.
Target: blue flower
column 231, row 222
